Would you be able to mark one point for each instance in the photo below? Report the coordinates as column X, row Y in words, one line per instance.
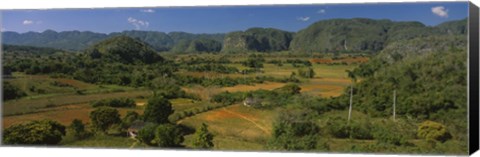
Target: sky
column 223, row 19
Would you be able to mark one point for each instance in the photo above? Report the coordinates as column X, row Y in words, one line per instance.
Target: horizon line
column 108, row 33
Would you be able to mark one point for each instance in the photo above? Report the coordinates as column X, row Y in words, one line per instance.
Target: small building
column 251, row 101
column 136, row 126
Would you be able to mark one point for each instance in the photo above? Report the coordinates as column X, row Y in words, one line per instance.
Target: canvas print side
column 361, row 78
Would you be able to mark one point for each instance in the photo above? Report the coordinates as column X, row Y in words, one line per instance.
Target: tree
column 337, row 127
column 115, row 102
column 11, row 92
column 166, row 87
column 309, row 73
column 130, row 117
column 396, row 134
column 157, row 110
column 203, row 138
column 168, row 135
column 77, row 128
column 289, row 89
column 147, row 133
column 103, row 118
column 431, row 131
column 254, row 61
column 294, row 130
column 44, row 132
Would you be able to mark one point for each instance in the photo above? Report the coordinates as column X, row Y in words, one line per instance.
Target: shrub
column 115, row 102
column 147, row 133
column 306, row 73
column 338, row 127
column 294, row 131
column 130, row 117
column 431, row 130
column 166, row 87
column 77, row 128
column 158, row 110
column 388, row 134
column 203, row 138
column 44, row 132
column 228, row 98
column 289, row 89
column 361, row 129
column 103, row 118
column 11, row 92
column 168, row 135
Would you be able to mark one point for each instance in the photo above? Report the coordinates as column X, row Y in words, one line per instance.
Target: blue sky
column 223, row 19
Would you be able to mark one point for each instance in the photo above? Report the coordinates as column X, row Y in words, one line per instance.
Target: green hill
column 257, row 39
column 454, row 27
column 342, row 34
column 123, row 49
column 78, row 41
column 159, row 41
column 365, row 35
column 428, row 75
column 68, row 40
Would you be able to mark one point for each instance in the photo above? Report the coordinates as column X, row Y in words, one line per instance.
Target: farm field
column 62, row 104
column 235, row 127
column 63, row 114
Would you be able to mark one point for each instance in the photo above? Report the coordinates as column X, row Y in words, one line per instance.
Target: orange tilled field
column 348, row 60
column 63, row 114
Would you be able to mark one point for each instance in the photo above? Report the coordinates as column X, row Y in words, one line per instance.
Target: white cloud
column 321, row 11
column 306, row 18
column 138, row 24
column 147, row 10
column 440, row 11
column 27, row 22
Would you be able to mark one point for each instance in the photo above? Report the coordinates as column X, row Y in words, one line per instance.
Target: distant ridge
column 333, row 35
column 78, row 41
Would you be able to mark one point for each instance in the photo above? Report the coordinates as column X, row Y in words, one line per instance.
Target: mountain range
column 333, row 35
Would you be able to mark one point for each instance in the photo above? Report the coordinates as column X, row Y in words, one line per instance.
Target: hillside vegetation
column 368, row 35
column 257, row 39
column 123, row 49
column 333, row 35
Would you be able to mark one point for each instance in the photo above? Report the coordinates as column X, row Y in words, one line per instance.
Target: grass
column 325, row 87
column 248, row 127
column 205, row 93
column 244, row 88
column 105, row 141
column 24, row 106
column 37, row 85
column 228, row 143
column 182, row 104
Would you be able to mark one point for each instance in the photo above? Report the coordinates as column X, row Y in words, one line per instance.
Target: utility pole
column 350, row 108
column 394, row 101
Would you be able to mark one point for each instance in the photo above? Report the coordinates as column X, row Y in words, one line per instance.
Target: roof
column 137, row 125
column 251, row 100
